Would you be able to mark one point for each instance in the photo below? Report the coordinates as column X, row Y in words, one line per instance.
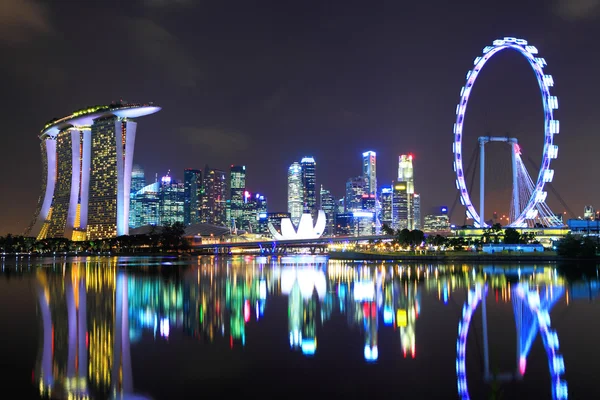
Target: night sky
column 265, row 83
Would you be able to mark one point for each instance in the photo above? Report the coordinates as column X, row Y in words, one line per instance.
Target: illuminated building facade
column 237, row 189
column 215, row 197
column 405, row 171
column 254, row 205
column 355, row 189
column 309, row 185
column 138, row 178
column 416, row 211
column 295, row 198
column 438, row 222
column 327, row 202
column 385, row 199
column 192, row 197
column 88, row 160
column 401, row 206
column 171, row 197
column 406, row 205
column 370, row 171
column 145, row 206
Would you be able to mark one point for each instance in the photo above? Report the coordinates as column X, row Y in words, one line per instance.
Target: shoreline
column 345, row 255
column 443, row 258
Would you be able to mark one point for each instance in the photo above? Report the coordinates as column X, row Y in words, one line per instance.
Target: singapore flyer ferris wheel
column 528, row 204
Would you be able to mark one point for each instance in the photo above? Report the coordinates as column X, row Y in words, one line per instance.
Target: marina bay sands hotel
column 87, row 160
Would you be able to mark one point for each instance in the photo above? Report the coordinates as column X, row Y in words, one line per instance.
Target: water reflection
column 91, row 311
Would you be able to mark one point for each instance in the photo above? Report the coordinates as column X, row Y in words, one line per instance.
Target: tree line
column 492, row 235
column 167, row 238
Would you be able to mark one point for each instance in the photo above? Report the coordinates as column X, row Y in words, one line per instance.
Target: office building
column 295, row 198
column 406, row 206
column 416, row 207
column 88, row 160
column 327, row 202
column 437, row 223
column 171, row 199
column 145, row 208
column 308, row 165
column 355, row 188
column 385, row 199
column 192, row 206
column 370, row 171
column 237, row 188
column 214, row 197
column 255, row 205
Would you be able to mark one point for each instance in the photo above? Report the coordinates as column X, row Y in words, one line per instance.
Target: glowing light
column 388, row 315
column 364, row 291
column 247, row 311
column 305, row 228
column 309, row 346
column 522, row 365
column 550, row 126
column 262, row 289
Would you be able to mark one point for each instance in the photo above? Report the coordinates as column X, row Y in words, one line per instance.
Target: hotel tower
column 87, row 160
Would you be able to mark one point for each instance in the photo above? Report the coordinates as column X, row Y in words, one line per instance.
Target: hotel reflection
column 92, row 312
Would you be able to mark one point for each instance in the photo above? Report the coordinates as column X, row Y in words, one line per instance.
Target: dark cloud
column 168, row 3
column 22, row 20
column 575, row 10
column 215, row 140
column 163, row 49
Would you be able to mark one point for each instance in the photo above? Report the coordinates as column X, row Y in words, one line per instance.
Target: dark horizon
column 263, row 86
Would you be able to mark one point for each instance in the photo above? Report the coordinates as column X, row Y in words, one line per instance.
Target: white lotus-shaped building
column 305, row 230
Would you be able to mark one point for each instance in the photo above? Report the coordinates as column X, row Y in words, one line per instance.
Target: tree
column 403, row 237
column 416, row 237
column 512, row 236
column 572, row 246
column 172, row 237
column 387, row 230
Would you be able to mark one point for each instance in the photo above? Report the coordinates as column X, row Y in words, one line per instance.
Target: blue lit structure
column 551, row 127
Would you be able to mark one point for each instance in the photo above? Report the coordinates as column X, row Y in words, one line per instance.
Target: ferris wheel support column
column 515, row 206
column 482, row 141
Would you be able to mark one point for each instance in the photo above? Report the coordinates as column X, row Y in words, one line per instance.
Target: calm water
column 293, row 327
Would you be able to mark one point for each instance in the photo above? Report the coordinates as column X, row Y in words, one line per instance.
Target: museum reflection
column 92, row 310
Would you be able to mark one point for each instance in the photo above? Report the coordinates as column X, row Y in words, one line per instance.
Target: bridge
column 281, row 247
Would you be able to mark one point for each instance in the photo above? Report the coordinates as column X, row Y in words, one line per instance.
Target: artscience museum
column 306, row 229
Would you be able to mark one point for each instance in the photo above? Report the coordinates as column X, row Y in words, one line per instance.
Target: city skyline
column 257, row 90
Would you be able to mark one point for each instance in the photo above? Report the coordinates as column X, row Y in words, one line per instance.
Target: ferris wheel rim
column 551, row 128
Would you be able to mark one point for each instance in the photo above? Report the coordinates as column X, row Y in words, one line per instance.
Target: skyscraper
column 403, row 202
column 405, row 171
column 145, row 208
column 355, row 188
column 214, row 198
column 138, row 179
column 308, row 184
column 401, row 206
column 254, row 205
column 237, row 188
column 192, row 179
column 327, row 202
column 88, row 160
column 172, row 199
column 386, row 205
column 295, row 193
column 370, row 171
column 416, row 211
column 138, row 182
